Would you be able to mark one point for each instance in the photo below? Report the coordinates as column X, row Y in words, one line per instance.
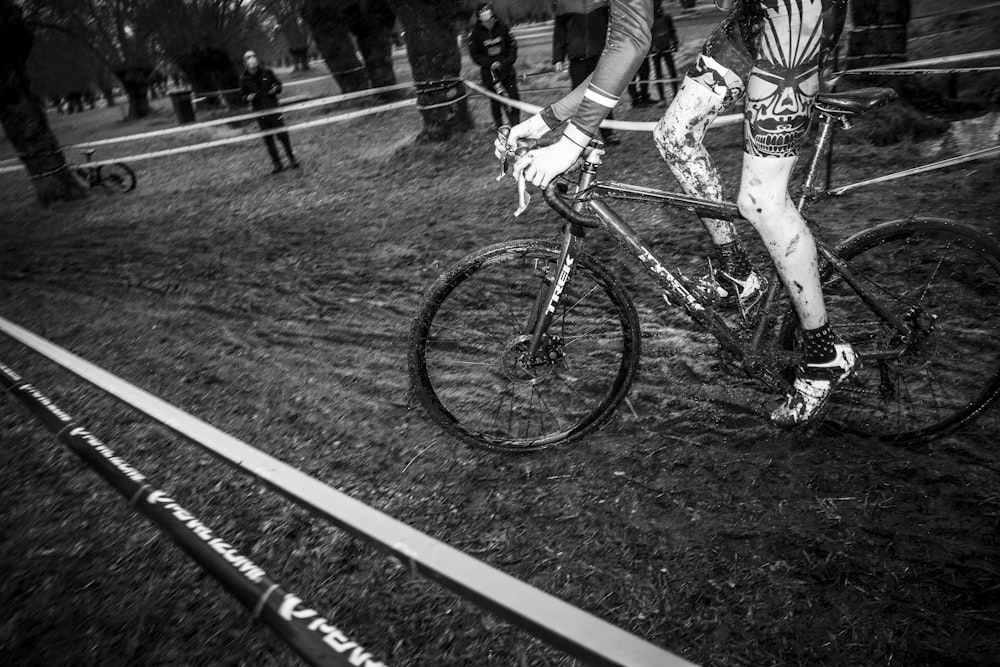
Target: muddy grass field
column 276, row 308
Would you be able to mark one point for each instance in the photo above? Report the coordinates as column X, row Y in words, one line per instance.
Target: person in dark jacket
column 260, row 88
column 494, row 49
column 580, row 30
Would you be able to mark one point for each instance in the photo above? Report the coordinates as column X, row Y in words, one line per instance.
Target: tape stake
column 322, row 645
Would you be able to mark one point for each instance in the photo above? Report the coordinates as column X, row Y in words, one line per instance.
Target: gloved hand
column 541, row 165
column 532, row 128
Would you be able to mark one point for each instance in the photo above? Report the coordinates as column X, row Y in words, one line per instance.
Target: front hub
column 520, row 366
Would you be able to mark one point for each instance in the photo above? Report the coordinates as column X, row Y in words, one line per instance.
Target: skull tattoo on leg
column 784, row 80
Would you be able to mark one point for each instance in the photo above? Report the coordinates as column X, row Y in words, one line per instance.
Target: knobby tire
column 468, row 349
column 941, row 278
column 116, row 177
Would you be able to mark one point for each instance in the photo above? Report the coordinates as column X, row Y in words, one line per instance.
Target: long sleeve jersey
column 627, row 44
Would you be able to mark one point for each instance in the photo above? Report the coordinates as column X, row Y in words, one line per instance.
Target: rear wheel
column 469, row 349
column 116, row 177
column 942, row 281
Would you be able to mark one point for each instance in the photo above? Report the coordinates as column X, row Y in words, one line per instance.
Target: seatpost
column 822, row 144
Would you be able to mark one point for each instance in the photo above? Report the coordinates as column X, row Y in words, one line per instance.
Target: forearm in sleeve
column 591, row 102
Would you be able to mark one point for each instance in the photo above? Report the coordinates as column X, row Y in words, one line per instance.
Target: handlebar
column 555, row 199
column 553, row 196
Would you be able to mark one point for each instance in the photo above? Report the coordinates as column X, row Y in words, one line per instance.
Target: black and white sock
column 819, row 345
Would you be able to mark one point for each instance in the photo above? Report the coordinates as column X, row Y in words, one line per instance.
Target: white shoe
column 813, row 385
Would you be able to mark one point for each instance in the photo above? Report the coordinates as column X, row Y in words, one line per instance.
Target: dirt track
column 277, row 309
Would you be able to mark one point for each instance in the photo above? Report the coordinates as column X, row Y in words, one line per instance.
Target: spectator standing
column 260, row 88
column 581, row 28
column 494, row 49
column 661, row 52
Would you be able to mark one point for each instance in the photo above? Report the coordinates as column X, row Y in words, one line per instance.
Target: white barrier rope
column 284, row 84
column 968, row 157
column 298, row 106
column 635, row 126
column 531, row 108
column 581, row 634
column 234, row 140
column 916, row 66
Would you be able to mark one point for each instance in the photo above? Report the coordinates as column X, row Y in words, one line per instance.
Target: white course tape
column 634, row 126
column 234, row 140
column 960, row 159
column 941, row 60
column 582, row 634
column 299, row 106
column 284, row 84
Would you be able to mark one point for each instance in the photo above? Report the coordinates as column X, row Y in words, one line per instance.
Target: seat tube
column 822, row 143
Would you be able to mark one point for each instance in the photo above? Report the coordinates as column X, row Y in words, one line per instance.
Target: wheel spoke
column 943, row 282
column 470, row 359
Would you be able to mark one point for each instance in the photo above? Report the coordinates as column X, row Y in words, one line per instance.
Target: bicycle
column 530, row 343
column 114, row 177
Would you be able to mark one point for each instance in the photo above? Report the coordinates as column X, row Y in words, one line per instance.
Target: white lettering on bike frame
column 560, row 285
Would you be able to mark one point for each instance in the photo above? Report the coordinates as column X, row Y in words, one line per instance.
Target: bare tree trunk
column 300, row 58
column 135, row 82
column 372, row 27
column 23, row 118
column 209, row 69
column 432, row 48
column 297, row 39
column 326, row 21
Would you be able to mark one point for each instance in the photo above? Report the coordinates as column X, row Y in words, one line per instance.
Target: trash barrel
column 183, row 105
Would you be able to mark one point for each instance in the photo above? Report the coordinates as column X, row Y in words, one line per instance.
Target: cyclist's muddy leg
column 782, row 86
column 764, row 201
column 705, row 92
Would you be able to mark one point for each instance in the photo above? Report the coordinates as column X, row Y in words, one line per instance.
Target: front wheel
column 941, row 281
column 116, row 177
column 469, row 349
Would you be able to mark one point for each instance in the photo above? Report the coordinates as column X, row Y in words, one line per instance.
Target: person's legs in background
column 668, row 58
column 513, row 113
column 638, row 90
column 287, row 143
column 265, row 124
column 496, row 109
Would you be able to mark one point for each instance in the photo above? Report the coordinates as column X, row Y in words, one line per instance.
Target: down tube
column 633, row 245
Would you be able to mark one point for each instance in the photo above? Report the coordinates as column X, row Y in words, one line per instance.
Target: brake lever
column 523, row 196
column 507, row 160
